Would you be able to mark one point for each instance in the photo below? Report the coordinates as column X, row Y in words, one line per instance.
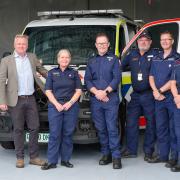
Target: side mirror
column 6, row 54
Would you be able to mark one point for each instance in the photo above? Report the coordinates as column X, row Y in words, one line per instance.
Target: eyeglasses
column 165, row 39
column 102, row 44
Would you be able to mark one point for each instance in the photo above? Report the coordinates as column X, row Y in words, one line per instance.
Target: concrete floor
column 85, row 159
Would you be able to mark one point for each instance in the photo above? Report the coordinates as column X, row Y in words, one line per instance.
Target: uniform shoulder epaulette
column 91, row 60
column 128, row 53
column 92, row 55
column 177, row 55
column 160, row 50
column 133, row 50
column 112, row 55
column 156, row 56
column 177, row 62
column 157, row 50
column 73, row 69
column 52, row 70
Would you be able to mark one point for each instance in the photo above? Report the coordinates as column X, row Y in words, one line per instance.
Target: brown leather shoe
column 20, row 163
column 37, row 161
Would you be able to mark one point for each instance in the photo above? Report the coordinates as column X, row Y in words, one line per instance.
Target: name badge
column 140, row 78
column 56, row 74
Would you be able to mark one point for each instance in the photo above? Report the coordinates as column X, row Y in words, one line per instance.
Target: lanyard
column 139, row 64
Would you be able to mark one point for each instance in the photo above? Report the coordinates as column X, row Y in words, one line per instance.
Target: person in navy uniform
column 63, row 89
column 102, row 78
column 159, row 78
column 175, row 89
column 142, row 101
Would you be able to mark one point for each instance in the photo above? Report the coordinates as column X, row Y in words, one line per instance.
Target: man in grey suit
column 17, row 74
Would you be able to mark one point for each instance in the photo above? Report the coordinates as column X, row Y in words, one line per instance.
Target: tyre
column 7, row 144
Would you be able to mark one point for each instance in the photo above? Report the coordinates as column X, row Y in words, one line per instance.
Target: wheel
column 7, row 144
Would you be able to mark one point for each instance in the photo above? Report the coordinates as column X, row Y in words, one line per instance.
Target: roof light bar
column 80, row 12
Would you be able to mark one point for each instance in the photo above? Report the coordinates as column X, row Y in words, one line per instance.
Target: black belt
column 114, row 91
column 143, row 91
column 25, row 96
column 64, row 99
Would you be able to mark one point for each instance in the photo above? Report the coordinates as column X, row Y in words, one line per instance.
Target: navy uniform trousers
column 61, row 126
column 165, row 127
column 105, row 117
column 177, row 131
column 140, row 104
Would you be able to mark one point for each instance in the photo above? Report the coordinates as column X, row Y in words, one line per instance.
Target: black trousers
column 25, row 111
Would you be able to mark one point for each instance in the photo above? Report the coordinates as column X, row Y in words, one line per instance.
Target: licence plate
column 43, row 137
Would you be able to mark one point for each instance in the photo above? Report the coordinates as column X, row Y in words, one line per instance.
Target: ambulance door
column 121, row 37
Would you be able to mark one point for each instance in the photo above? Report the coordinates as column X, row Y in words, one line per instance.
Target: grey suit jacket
column 9, row 80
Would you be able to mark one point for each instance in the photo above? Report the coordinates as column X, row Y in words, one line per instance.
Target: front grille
column 85, row 125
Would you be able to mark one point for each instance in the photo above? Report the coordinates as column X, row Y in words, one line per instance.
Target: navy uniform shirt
column 63, row 83
column 176, row 74
column 103, row 71
column 139, row 64
column 161, row 69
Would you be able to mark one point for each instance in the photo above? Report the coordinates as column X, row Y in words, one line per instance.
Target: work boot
column 176, row 168
column 67, row 164
column 20, row 163
column 117, row 163
column 156, row 159
column 47, row 166
column 37, row 161
column 171, row 163
column 106, row 159
column 127, row 154
column 147, row 157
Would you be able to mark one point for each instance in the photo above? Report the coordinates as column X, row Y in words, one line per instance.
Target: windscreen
column 45, row 42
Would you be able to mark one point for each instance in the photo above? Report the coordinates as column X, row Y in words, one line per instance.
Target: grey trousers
column 25, row 112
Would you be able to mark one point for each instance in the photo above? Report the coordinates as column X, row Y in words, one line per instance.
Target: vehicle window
column 157, row 29
column 155, row 33
column 80, row 40
column 131, row 30
column 122, row 40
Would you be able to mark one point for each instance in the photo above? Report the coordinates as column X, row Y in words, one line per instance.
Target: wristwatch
column 107, row 92
column 159, row 90
column 71, row 102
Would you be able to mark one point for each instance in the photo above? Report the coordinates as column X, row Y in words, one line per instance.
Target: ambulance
column 76, row 31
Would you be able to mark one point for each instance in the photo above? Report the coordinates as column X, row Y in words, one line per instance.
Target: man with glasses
column 102, row 79
column 159, row 78
column 142, row 101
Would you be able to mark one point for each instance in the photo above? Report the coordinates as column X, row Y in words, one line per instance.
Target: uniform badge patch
column 109, row 58
column 56, row 74
column 171, row 59
column 135, row 59
column 149, row 57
